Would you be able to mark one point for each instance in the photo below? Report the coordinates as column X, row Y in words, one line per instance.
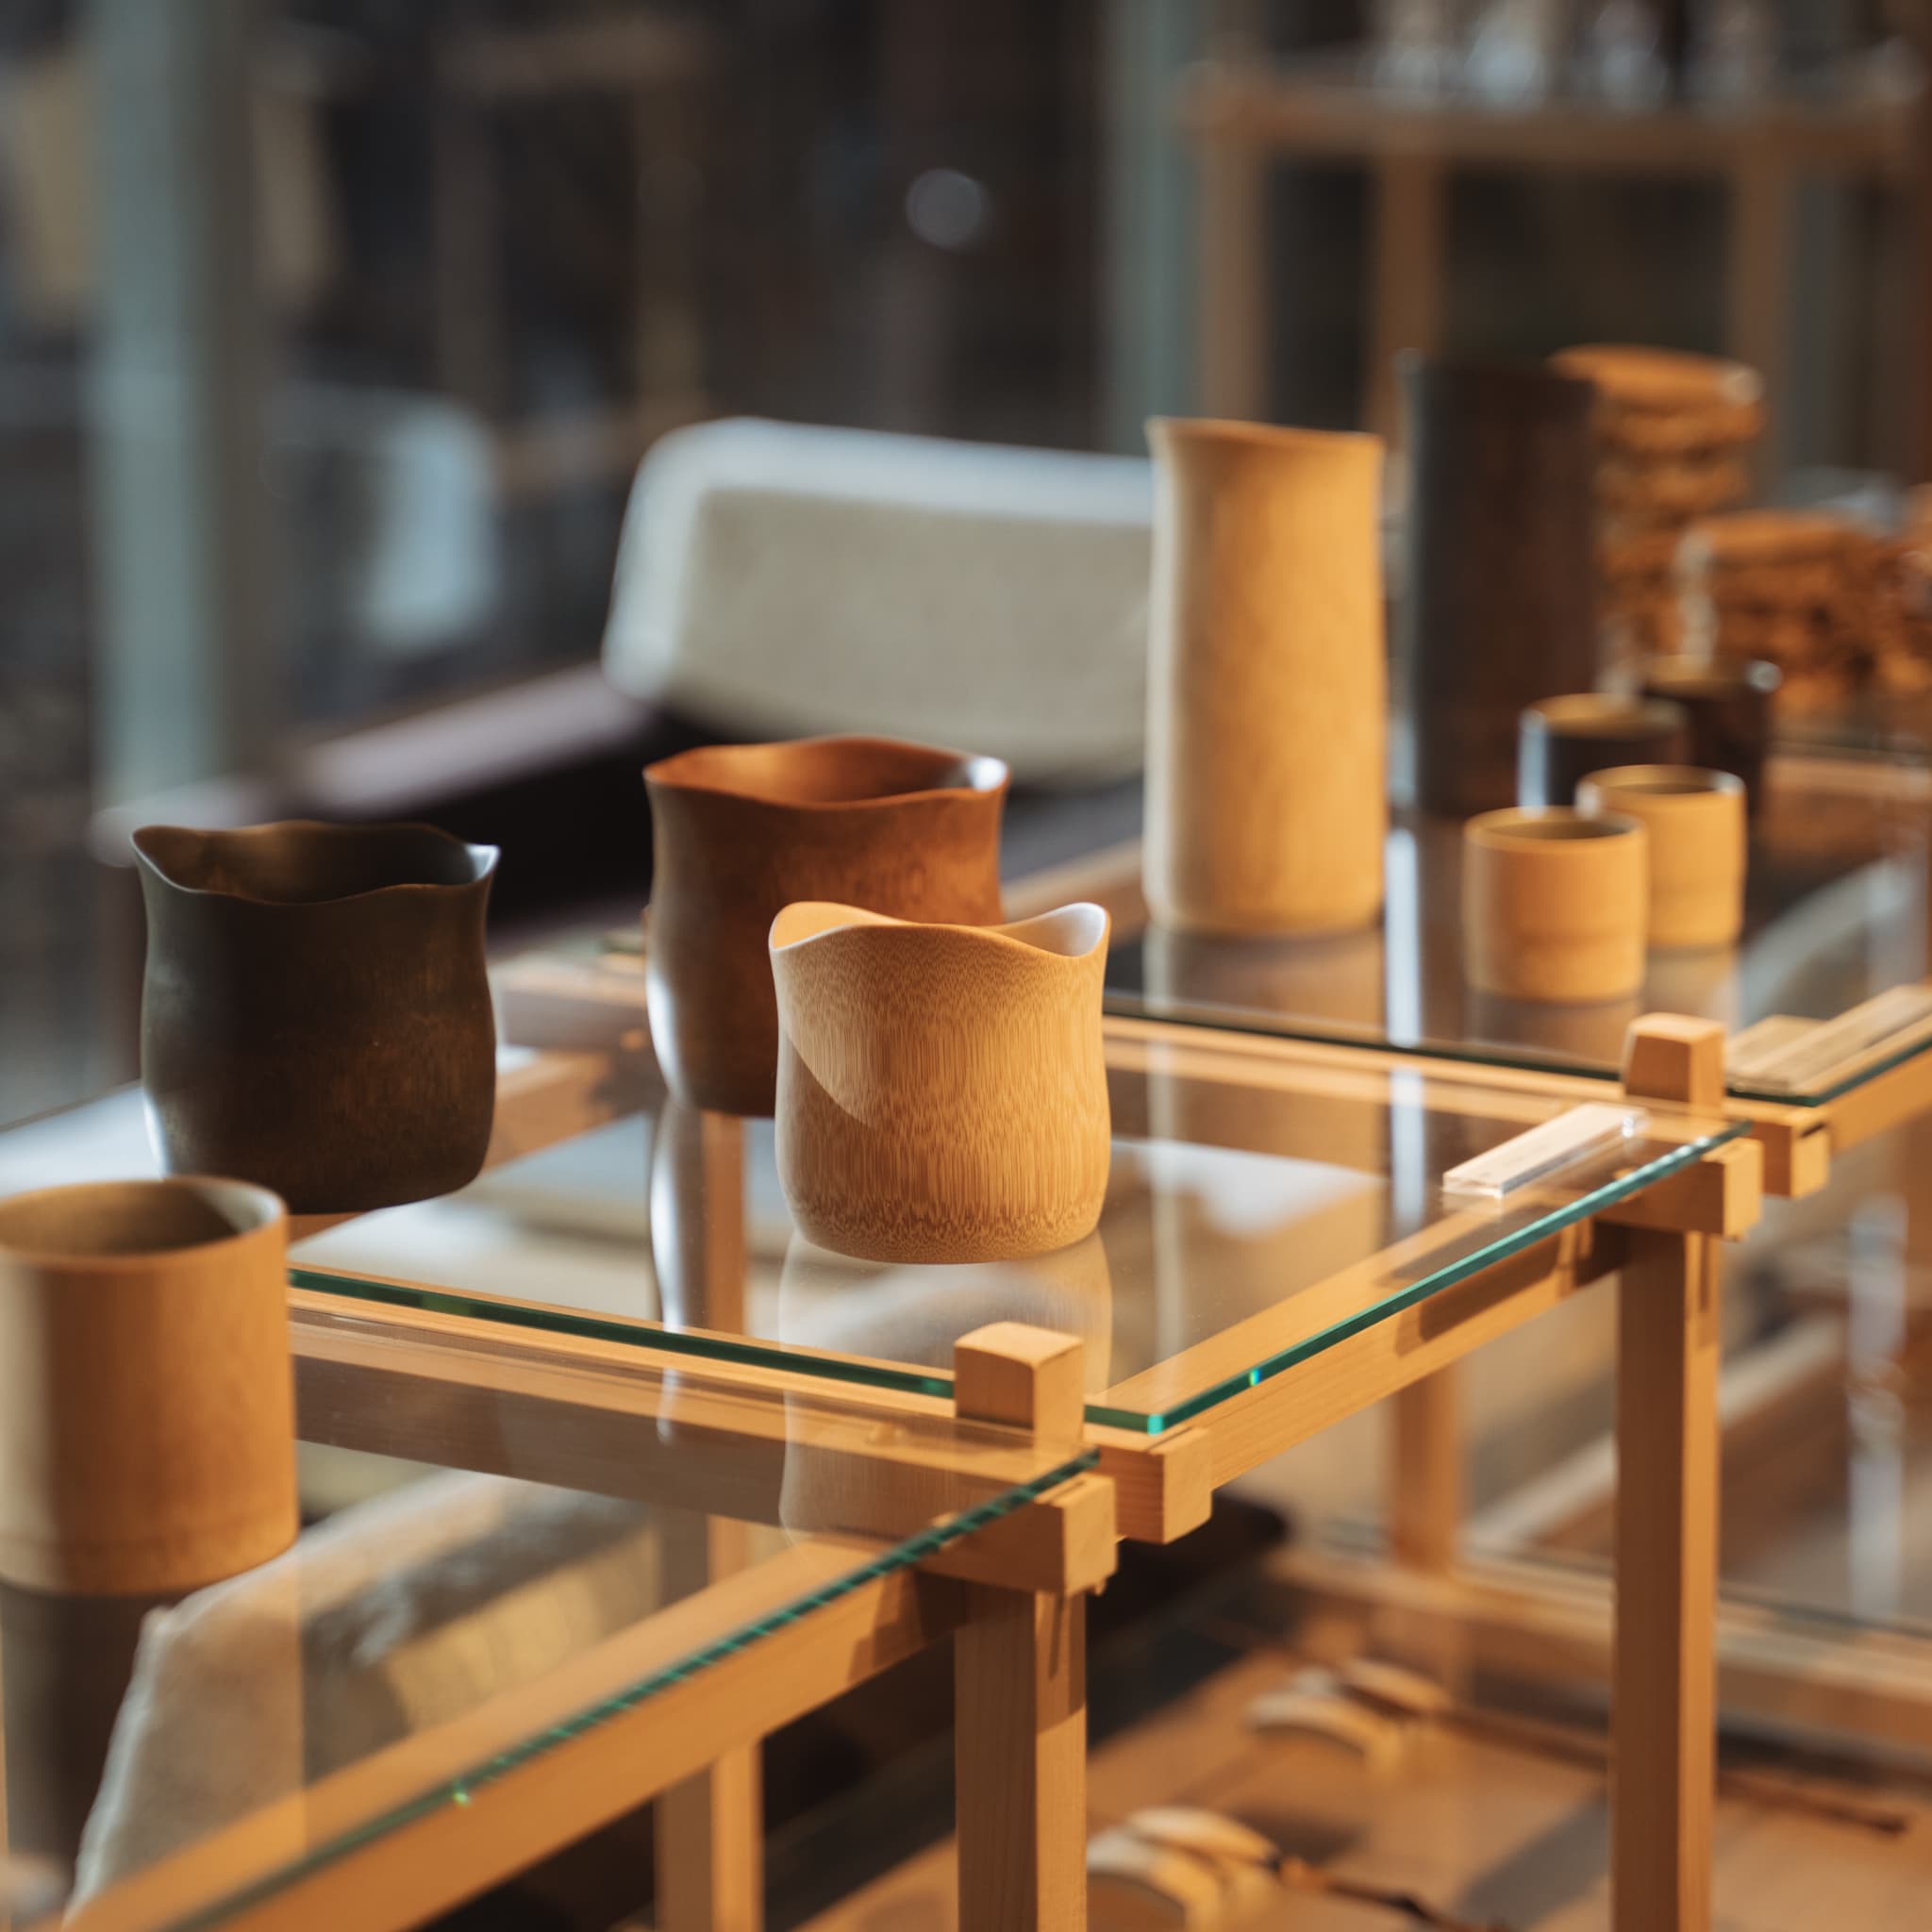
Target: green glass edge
column 1514, row 1243
column 1151, row 1423
column 1128, row 1005
column 462, row 1789
column 549, row 1320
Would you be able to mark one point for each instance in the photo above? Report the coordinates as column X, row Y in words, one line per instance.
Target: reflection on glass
column 1265, row 1202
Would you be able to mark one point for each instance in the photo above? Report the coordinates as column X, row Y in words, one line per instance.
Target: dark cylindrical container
column 1563, row 740
column 741, row 831
column 1499, row 603
column 1729, row 703
column 316, row 1015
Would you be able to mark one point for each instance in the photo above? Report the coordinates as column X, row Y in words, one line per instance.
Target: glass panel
column 1827, row 1410
column 1266, row 1201
column 1836, row 913
column 447, row 1618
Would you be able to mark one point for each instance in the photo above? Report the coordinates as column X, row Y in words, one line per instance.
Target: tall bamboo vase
column 1267, row 794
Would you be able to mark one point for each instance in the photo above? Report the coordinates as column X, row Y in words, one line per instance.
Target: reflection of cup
column 1590, row 1033
column 147, row 1440
column 1554, row 904
column 1701, row 983
column 1316, row 978
column 316, row 1013
column 942, row 1089
column 1561, row 741
column 1697, row 845
column 910, row 1313
column 741, row 831
column 67, row 1662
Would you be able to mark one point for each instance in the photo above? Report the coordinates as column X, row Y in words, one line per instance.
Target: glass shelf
column 597, row 1538
column 1836, row 915
column 1268, row 1200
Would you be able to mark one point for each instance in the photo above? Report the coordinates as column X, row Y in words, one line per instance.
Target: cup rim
column 1282, row 436
column 1509, row 828
column 1086, row 924
column 322, row 831
column 266, row 1208
column 1661, row 781
column 982, row 775
column 1709, row 678
column 1614, row 714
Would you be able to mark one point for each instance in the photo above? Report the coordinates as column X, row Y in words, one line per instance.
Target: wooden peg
column 1671, row 1058
column 1022, row 1378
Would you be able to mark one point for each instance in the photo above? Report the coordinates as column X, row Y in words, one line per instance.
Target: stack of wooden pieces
column 1675, row 435
column 1817, row 595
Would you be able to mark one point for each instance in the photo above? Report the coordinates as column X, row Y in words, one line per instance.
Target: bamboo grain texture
column 942, row 1089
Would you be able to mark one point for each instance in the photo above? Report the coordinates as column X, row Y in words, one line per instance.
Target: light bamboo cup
column 148, row 1434
column 1698, row 841
column 1267, row 688
column 1553, row 903
column 942, row 1089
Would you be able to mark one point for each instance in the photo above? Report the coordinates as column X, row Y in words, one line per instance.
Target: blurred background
column 332, row 333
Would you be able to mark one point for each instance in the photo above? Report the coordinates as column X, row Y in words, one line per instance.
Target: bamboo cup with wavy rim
column 1267, row 690
column 315, row 1011
column 942, row 1089
column 1698, row 847
column 741, row 831
column 147, row 1435
column 1553, row 903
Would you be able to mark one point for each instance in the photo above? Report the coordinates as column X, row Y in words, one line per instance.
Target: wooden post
column 1406, row 288
column 1425, row 1485
column 1020, row 1676
column 1664, row 1699
column 1231, row 325
column 709, row 1829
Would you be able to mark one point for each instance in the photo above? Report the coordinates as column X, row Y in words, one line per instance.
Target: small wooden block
column 1669, row 1058
column 1022, row 1378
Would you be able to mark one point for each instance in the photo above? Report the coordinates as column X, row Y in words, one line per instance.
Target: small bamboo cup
column 148, row 1434
column 1698, row 840
column 1553, row 903
column 942, row 1089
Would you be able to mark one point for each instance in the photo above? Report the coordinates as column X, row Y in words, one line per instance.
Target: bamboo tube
column 147, row 1440
column 1267, row 681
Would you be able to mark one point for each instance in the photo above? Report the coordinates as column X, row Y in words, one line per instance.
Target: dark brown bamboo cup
column 316, row 1013
column 1499, row 602
column 741, row 831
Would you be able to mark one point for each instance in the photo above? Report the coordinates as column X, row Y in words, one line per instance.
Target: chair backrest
column 777, row 580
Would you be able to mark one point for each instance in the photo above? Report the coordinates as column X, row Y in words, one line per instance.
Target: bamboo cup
column 942, row 1089
column 1553, row 903
column 147, row 1437
column 1729, row 705
column 1266, row 689
column 1698, row 840
column 1561, row 741
column 741, row 831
